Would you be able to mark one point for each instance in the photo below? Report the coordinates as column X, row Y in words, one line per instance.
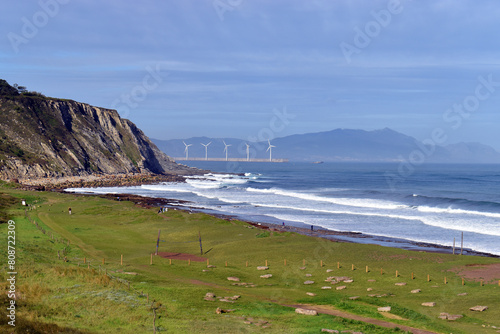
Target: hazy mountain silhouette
column 384, row 145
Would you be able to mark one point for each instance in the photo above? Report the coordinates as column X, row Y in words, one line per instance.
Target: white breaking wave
column 450, row 210
column 360, row 202
column 338, row 212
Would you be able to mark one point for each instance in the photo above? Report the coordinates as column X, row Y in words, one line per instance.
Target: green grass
column 71, row 296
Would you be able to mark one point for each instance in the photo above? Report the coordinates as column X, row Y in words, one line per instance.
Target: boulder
column 451, row 317
column 400, row 284
column 309, row 282
column 479, row 308
column 325, row 287
column 384, row 309
column 232, row 278
column 325, row 330
column 262, row 268
column 329, row 270
column 266, row 276
column 416, row 291
column 342, row 287
column 310, row 294
column 429, row 304
column 305, row 311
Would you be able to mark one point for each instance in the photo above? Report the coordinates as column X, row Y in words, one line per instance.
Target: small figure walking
column 69, row 210
column 312, row 228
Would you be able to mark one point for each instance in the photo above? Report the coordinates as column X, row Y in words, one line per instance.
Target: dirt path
column 45, row 218
column 323, row 309
column 328, row 310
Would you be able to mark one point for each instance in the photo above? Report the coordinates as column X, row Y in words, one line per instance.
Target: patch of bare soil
column 182, row 256
column 489, row 273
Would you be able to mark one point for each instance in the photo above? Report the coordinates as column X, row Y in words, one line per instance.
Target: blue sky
column 225, row 68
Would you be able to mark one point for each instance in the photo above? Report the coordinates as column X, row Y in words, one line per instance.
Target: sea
column 435, row 204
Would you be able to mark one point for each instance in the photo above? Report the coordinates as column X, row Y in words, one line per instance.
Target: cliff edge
column 43, row 137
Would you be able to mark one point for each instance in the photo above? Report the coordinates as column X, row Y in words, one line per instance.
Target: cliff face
column 45, row 137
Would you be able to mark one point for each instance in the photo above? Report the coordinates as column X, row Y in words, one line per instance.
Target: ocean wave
column 464, row 225
column 339, row 212
column 453, row 211
column 354, row 202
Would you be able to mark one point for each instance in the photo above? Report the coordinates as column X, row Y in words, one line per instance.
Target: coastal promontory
column 43, row 137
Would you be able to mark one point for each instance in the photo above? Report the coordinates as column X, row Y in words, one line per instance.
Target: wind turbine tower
column 270, row 149
column 225, row 148
column 206, row 149
column 187, row 149
column 248, row 152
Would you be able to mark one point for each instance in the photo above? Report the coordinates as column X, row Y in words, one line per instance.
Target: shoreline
column 318, row 232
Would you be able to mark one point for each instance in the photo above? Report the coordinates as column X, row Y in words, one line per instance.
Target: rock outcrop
column 46, row 137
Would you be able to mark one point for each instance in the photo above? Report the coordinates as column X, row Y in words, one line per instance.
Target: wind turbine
column 225, row 148
column 248, row 151
column 270, row 149
column 186, row 149
column 206, row 149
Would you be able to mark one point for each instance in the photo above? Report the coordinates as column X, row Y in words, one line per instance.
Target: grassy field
column 83, row 295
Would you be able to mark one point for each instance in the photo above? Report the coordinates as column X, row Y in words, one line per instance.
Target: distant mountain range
column 384, row 145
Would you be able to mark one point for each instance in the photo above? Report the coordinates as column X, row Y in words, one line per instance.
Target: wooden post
column 381, row 271
column 412, row 277
column 304, row 262
column 285, row 262
column 462, row 245
column 481, row 282
column 366, row 268
column 169, row 261
column 201, row 247
column 338, row 265
column 266, row 263
column 321, row 263
column 151, row 261
column 247, row 264
column 226, row 263
column 189, row 262
column 352, row 267
column 121, row 260
column 102, row 261
column 397, row 274
column 158, row 242
column 445, row 281
column 463, row 281
column 428, row 278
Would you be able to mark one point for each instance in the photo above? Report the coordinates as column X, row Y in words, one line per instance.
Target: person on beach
column 312, row 228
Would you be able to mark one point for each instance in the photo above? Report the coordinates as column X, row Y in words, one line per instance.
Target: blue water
column 432, row 204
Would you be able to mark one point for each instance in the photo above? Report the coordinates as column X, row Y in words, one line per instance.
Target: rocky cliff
column 47, row 137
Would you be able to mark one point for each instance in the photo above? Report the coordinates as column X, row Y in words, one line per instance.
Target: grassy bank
column 86, row 288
